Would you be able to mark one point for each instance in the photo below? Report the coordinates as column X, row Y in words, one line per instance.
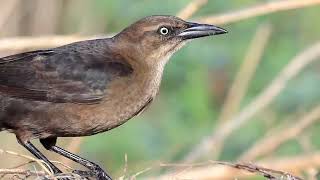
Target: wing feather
column 76, row 73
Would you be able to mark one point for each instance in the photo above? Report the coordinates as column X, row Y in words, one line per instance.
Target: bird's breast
column 125, row 97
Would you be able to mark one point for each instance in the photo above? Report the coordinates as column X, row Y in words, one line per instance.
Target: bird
column 91, row 86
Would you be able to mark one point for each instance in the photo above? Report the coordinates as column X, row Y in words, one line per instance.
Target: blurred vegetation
column 197, row 79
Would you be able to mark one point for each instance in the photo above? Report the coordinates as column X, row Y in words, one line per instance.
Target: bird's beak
column 196, row 30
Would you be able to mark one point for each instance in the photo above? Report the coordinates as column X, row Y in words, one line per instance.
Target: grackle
column 89, row 87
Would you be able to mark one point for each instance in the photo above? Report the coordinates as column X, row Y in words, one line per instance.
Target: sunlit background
column 195, row 84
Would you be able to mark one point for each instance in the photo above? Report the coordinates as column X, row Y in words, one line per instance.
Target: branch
column 258, row 104
column 191, row 8
column 22, row 172
column 39, row 162
column 270, row 143
column 38, row 174
column 258, row 10
column 265, row 172
column 44, row 172
column 22, row 43
column 295, row 165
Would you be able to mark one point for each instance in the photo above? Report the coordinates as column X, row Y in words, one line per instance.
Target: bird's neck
column 149, row 77
column 147, row 67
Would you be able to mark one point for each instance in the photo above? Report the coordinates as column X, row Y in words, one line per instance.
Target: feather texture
column 64, row 74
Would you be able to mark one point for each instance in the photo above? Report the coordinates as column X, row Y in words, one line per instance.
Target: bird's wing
column 69, row 74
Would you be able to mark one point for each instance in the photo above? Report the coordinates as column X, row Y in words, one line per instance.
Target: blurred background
column 207, row 86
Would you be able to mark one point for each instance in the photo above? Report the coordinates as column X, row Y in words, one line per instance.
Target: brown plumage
column 91, row 86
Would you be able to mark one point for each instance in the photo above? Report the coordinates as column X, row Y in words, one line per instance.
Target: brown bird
column 89, row 87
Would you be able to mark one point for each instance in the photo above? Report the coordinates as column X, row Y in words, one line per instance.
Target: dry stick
column 263, row 100
column 245, row 73
column 22, row 43
column 258, row 10
column 31, row 160
column 191, row 8
column 270, row 143
column 125, row 168
column 38, row 174
column 134, row 177
column 295, row 165
column 265, row 172
column 22, row 164
column 22, row 172
column 39, row 162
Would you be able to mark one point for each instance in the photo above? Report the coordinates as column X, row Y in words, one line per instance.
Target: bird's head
column 156, row 38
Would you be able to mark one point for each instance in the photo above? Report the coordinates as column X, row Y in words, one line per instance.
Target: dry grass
column 277, row 169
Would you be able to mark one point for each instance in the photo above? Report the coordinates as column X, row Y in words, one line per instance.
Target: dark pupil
column 164, row 30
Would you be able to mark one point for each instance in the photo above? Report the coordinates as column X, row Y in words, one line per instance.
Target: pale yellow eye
column 164, row 30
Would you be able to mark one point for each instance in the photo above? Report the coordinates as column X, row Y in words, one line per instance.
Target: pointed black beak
column 196, row 30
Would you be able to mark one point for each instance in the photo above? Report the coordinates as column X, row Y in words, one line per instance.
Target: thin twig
column 258, row 10
column 134, row 177
column 191, row 8
column 262, row 101
column 39, row 162
column 125, row 168
column 22, row 164
column 270, row 143
column 276, row 167
column 22, row 172
column 23, row 43
column 265, row 172
column 66, row 166
column 39, row 174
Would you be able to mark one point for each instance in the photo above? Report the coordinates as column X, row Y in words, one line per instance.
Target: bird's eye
column 164, row 31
